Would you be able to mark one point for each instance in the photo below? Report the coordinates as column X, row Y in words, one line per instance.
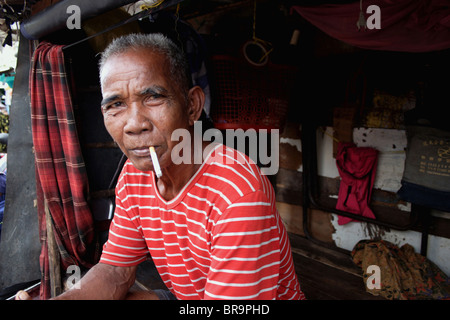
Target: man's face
column 141, row 106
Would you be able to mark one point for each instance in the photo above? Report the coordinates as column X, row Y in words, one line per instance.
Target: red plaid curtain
column 61, row 177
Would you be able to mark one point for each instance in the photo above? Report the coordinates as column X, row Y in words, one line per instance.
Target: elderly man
column 211, row 228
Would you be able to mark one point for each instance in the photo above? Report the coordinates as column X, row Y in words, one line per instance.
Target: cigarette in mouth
column 155, row 161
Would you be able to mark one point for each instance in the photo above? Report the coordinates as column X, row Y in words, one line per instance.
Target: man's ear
column 196, row 100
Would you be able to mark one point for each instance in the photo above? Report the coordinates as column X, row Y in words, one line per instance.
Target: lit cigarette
column 155, row 162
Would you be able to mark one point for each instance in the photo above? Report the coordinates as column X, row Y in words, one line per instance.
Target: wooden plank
column 320, row 225
column 327, row 274
column 319, row 281
column 335, row 258
column 54, row 258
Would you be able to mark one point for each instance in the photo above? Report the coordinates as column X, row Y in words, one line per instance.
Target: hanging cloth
column 357, row 168
column 407, row 26
column 61, row 177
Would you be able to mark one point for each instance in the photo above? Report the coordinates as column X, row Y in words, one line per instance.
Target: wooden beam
column 53, row 255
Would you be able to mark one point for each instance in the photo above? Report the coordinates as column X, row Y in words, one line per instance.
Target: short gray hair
column 179, row 68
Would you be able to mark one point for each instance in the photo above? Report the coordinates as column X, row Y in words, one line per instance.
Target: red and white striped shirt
column 221, row 237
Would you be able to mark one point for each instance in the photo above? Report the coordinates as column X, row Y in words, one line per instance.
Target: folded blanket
column 404, row 274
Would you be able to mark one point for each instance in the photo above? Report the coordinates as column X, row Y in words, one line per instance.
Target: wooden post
column 53, row 255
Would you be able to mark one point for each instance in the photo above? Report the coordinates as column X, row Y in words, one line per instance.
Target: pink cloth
column 409, row 26
column 357, row 168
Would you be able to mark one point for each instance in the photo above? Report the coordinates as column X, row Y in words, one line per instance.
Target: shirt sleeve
column 245, row 251
column 126, row 244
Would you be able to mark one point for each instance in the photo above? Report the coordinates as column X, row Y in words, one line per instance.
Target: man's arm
column 245, row 252
column 101, row 282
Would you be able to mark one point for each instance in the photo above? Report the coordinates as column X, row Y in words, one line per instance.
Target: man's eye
column 112, row 106
column 154, row 98
column 116, row 104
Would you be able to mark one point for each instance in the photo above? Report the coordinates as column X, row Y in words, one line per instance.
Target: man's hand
column 102, row 282
column 22, row 295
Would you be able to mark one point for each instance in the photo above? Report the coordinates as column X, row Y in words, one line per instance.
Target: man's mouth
column 141, row 152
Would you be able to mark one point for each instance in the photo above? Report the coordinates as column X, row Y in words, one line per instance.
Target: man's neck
column 173, row 181
column 175, row 177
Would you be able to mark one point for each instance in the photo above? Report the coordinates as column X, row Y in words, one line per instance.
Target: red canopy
column 410, row 26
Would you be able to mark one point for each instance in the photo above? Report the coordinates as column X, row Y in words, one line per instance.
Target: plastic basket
column 250, row 97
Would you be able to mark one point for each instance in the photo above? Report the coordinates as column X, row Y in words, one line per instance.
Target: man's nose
column 137, row 121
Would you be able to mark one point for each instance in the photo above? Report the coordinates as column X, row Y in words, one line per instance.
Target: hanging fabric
column 61, row 177
column 357, row 168
column 407, row 26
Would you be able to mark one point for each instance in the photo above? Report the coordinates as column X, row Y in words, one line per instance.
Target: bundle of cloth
column 404, row 274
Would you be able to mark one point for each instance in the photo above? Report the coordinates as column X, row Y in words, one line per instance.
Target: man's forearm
column 102, row 282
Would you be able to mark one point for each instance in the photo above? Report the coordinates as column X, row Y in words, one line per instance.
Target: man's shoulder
column 234, row 168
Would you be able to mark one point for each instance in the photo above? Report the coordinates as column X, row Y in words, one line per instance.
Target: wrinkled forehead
column 142, row 59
